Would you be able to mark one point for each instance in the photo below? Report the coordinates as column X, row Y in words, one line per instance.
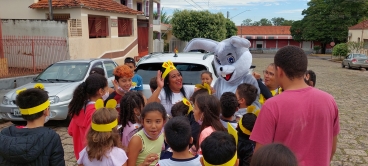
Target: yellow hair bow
column 252, row 109
column 232, row 161
column 169, row 66
column 187, row 103
column 36, row 109
column 105, row 127
column 204, row 86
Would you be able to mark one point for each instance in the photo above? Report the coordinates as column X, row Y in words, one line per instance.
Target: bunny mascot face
column 232, row 61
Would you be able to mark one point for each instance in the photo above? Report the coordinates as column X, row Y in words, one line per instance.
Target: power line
column 190, row 4
column 197, row 5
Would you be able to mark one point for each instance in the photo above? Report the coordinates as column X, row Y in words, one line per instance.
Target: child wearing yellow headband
column 245, row 145
column 103, row 139
column 33, row 144
column 220, row 149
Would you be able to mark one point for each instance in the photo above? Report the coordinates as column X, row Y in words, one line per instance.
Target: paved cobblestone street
column 350, row 89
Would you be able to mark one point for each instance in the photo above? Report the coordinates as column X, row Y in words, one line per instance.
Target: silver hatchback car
column 59, row 79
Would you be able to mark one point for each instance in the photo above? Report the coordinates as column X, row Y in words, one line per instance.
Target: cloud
column 290, row 11
column 213, row 4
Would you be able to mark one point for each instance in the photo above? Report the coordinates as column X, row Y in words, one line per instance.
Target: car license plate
column 16, row 112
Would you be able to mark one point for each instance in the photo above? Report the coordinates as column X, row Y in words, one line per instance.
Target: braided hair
column 84, row 91
column 128, row 103
column 209, row 105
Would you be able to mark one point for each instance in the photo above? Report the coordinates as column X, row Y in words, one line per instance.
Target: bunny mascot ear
column 238, row 42
column 201, row 44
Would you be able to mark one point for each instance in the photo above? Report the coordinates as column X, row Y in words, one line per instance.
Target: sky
column 240, row 10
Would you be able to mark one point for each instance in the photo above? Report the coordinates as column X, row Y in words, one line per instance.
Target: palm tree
column 164, row 17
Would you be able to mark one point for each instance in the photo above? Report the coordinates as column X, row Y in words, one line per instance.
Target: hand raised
column 160, row 81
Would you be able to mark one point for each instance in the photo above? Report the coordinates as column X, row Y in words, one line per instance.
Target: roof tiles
column 360, row 26
column 263, row 30
column 104, row 5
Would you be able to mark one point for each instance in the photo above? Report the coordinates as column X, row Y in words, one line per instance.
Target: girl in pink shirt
column 130, row 111
column 207, row 114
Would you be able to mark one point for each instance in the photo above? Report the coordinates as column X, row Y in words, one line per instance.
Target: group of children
column 128, row 131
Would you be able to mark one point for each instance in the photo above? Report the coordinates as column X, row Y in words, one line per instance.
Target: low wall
column 14, row 82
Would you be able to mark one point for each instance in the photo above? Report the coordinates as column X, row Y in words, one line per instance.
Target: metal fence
column 24, row 55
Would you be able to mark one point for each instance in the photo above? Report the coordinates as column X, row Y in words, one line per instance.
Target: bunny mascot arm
column 232, row 63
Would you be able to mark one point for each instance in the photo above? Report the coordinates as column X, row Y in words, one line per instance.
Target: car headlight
column 6, row 101
column 54, row 99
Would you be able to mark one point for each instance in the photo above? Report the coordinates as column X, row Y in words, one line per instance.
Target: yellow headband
column 243, row 129
column 187, row 103
column 169, row 66
column 231, row 162
column 36, row 109
column 204, row 86
column 105, row 127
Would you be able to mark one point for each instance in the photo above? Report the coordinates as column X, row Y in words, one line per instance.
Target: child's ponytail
column 84, row 91
column 78, row 101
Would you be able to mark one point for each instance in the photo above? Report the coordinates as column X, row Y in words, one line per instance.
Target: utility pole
column 361, row 38
column 150, row 31
column 51, row 16
column 1, row 42
column 227, row 15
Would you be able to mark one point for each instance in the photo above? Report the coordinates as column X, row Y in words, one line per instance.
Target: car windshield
column 63, row 72
column 191, row 72
column 360, row 56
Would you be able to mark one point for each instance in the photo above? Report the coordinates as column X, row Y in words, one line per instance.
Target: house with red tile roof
column 359, row 33
column 270, row 38
column 96, row 28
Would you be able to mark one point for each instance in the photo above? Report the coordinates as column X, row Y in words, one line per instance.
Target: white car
column 191, row 65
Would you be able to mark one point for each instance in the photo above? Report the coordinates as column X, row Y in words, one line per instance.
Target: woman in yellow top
column 272, row 88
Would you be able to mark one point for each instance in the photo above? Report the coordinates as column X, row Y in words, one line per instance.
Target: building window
column 97, row 27
column 59, row 17
column 75, row 27
column 248, row 37
column 125, row 27
column 358, row 39
column 123, row 2
column 139, row 6
column 271, row 37
column 259, row 37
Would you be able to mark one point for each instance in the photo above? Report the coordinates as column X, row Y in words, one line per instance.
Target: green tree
column 263, row 22
column 231, row 29
column 247, row 22
column 296, row 30
column 189, row 24
column 328, row 20
column 340, row 49
column 277, row 21
column 288, row 23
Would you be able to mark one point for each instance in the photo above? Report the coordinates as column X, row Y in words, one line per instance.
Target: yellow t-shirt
column 262, row 99
column 149, row 146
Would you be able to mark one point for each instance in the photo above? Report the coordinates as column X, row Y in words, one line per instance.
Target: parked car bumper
column 359, row 65
column 58, row 111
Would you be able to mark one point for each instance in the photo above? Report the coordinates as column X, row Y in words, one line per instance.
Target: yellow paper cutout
column 204, row 86
column 169, row 66
column 187, row 103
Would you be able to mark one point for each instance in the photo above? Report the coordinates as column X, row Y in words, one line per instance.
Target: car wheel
column 19, row 123
column 342, row 65
column 349, row 66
